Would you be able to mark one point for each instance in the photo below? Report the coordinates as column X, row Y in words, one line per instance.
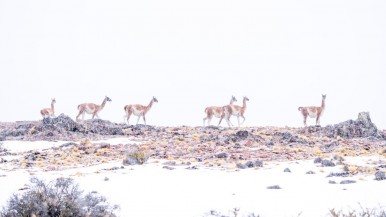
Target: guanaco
column 49, row 112
column 235, row 110
column 216, row 111
column 91, row 108
column 138, row 110
column 313, row 111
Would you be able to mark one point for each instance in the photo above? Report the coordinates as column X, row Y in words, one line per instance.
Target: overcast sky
column 192, row 54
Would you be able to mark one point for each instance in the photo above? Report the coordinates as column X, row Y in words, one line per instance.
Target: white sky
column 192, row 54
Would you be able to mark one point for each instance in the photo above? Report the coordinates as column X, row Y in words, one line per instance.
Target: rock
column 242, row 134
column 170, row 163
column 103, row 127
column 274, row 187
column 241, row 166
column 143, row 127
column 362, row 127
column 382, row 166
column 287, row 137
column 338, row 158
column 331, row 182
column 62, row 122
column 168, row 167
column 222, row 155
column 106, row 179
column 68, row 145
column 318, row 160
column 258, row 163
column 342, row 174
column 310, row 172
column 380, row 175
column 238, row 136
column 270, row 143
column 287, row 170
column 192, row 168
column 327, row 163
column 237, row 146
column 344, row 182
column 249, row 164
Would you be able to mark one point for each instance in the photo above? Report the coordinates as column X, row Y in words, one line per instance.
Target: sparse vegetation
column 60, row 197
column 362, row 212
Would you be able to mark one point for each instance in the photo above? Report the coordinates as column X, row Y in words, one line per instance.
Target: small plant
column 60, row 197
column 136, row 155
column 363, row 212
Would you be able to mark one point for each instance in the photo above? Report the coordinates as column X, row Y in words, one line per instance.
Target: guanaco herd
column 222, row 112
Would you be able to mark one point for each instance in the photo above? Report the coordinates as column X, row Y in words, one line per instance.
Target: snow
column 150, row 190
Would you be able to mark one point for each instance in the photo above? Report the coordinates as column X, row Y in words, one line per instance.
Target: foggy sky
column 193, row 54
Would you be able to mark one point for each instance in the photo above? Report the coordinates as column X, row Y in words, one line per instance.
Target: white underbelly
column 217, row 114
column 89, row 111
column 312, row 114
column 136, row 112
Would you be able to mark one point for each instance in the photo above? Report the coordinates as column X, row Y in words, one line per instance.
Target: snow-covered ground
column 151, row 190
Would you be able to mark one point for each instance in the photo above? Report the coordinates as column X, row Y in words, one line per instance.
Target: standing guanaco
column 138, row 110
column 216, row 111
column 91, row 108
column 49, row 112
column 313, row 111
column 235, row 110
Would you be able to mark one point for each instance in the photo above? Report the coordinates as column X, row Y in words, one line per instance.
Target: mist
column 190, row 55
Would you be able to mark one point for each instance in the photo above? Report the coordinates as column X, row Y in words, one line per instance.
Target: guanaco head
column 324, row 96
column 108, row 99
column 155, row 99
column 53, row 100
column 246, row 98
column 234, row 99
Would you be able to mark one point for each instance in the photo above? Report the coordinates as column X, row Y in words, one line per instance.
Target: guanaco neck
column 244, row 104
column 52, row 107
column 103, row 103
column 148, row 107
column 323, row 104
column 232, row 101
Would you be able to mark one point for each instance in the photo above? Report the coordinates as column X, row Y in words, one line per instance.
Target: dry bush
column 363, row 212
column 136, row 155
column 60, row 197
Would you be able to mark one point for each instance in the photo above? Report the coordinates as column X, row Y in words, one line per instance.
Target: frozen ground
column 151, row 190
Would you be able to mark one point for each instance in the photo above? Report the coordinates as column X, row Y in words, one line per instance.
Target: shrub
column 60, row 197
column 135, row 156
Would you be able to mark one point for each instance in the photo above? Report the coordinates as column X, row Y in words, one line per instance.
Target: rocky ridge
column 242, row 148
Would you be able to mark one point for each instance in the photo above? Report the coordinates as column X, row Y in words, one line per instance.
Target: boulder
column 380, row 175
column 362, row 127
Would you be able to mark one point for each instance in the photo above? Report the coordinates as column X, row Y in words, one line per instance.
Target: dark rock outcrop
column 362, row 127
